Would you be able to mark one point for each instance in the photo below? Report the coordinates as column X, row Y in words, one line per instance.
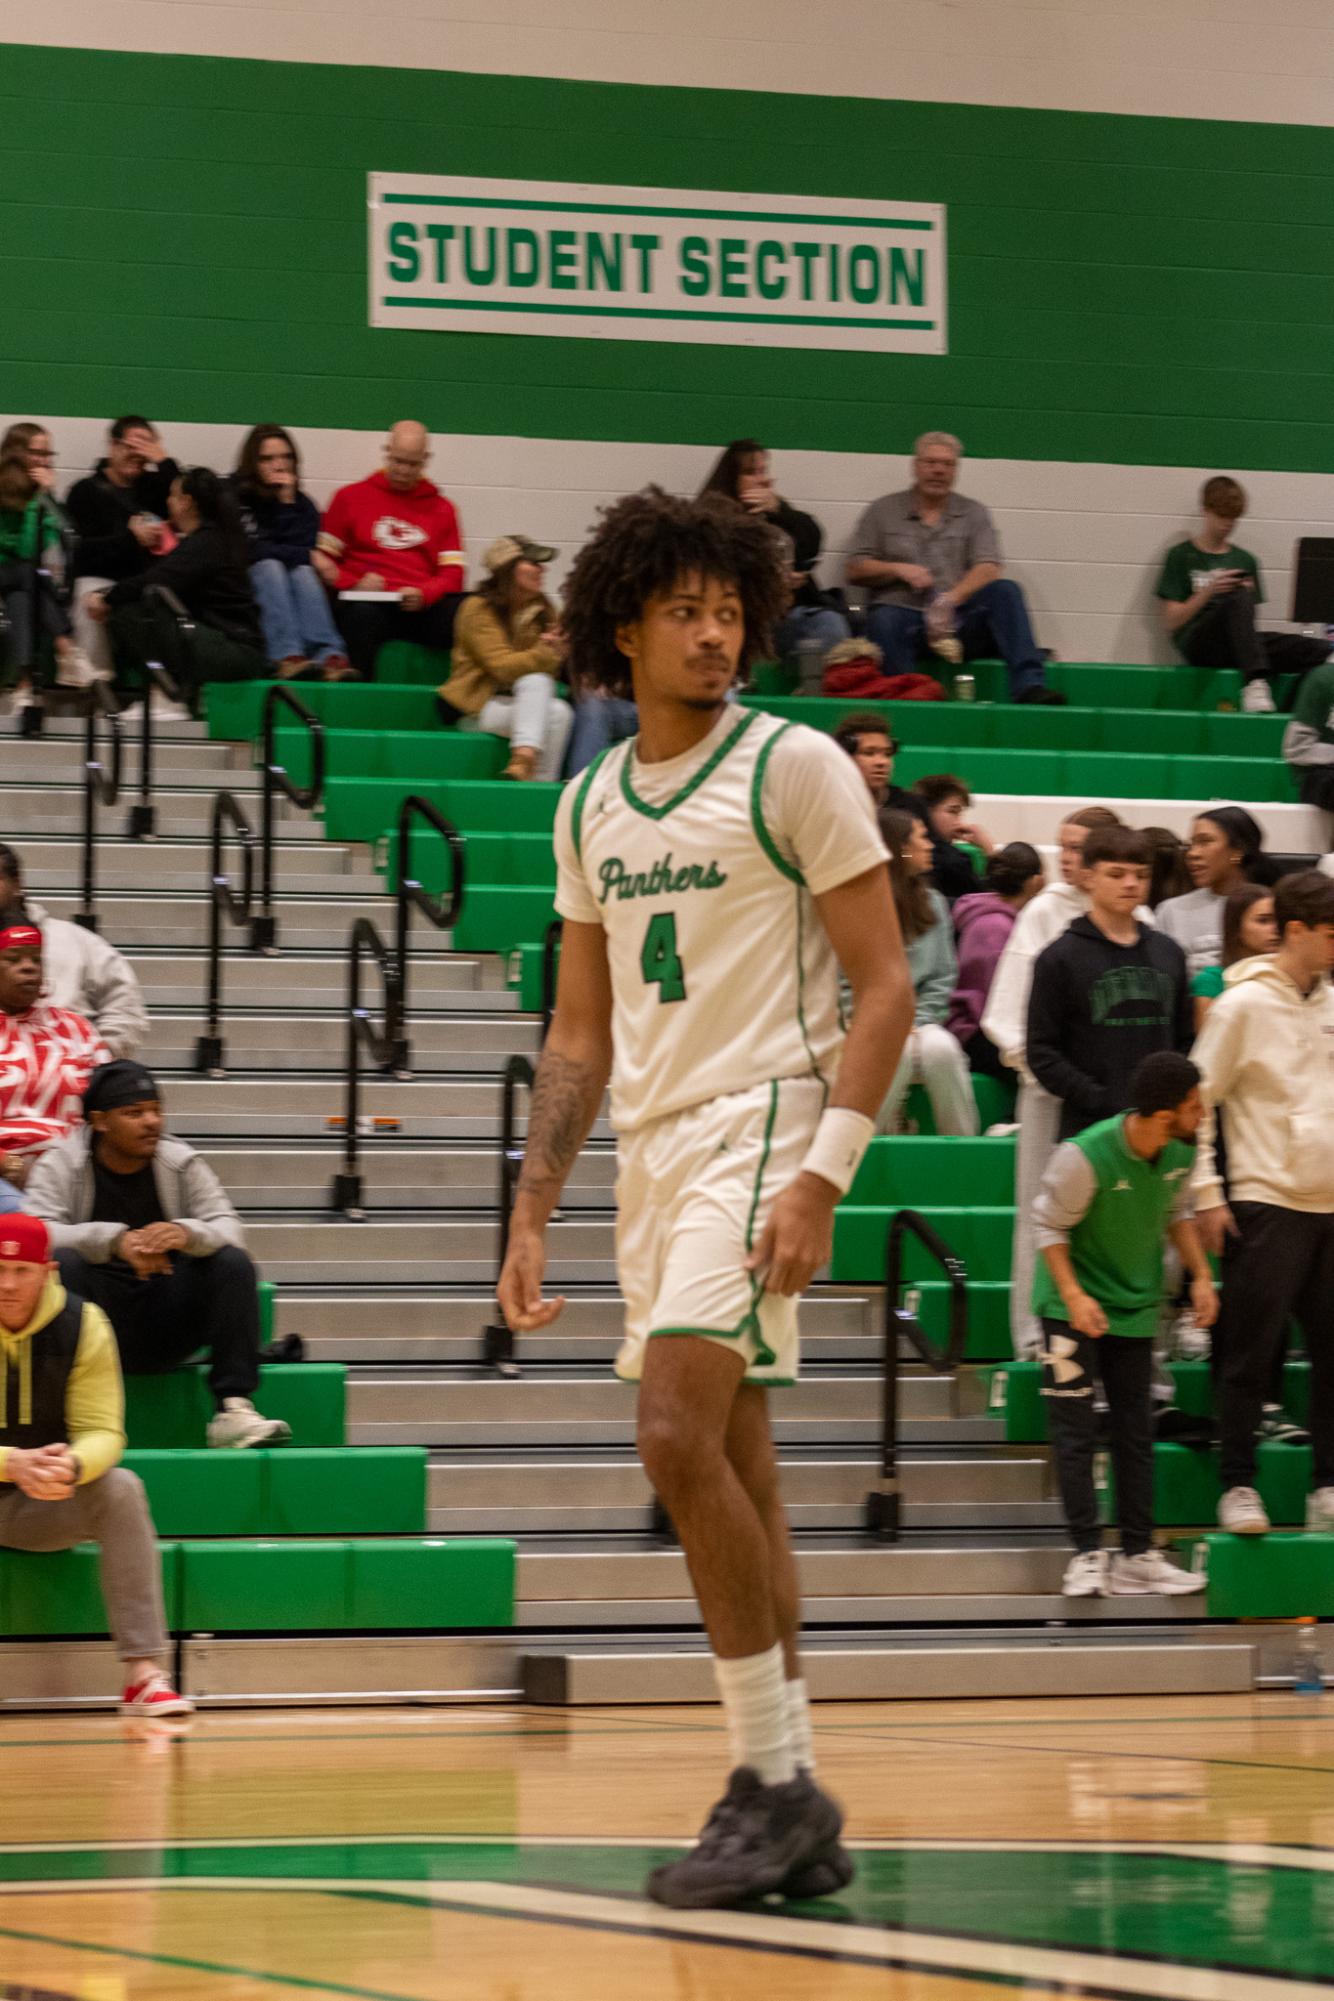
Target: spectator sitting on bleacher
column 947, row 800
column 1210, row 590
column 1108, row 992
column 932, row 561
column 38, row 642
column 46, row 1057
column 865, row 737
column 743, row 474
column 393, row 534
column 931, row 1057
column 1249, row 931
column 1005, row 1023
column 282, row 524
column 508, row 650
column 1266, row 1054
column 208, row 572
column 983, row 922
column 143, row 1226
column 1308, row 740
column 1225, row 845
column 80, row 970
column 118, row 514
column 62, row 1430
column 1107, row 1201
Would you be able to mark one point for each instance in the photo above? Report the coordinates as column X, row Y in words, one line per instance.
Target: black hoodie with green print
column 1096, row 1010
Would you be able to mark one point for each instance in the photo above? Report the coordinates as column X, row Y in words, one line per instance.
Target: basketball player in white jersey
column 713, row 874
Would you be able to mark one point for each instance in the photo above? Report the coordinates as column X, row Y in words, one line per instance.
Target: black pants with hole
column 1124, row 1362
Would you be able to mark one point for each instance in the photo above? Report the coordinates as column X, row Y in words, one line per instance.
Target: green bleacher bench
column 235, row 709
column 59, row 1593
column 1268, row 1577
column 303, row 1585
column 293, row 1490
column 916, row 1173
column 510, row 860
column 1187, row 1489
column 365, row 809
column 981, row 1236
column 169, row 1411
column 1016, row 1393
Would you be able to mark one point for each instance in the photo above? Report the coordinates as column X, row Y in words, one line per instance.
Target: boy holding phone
column 1209, row 589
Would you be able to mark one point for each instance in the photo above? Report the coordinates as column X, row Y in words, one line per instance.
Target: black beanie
column 120, row 1083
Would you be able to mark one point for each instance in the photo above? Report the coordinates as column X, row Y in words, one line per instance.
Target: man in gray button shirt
column 933, row 565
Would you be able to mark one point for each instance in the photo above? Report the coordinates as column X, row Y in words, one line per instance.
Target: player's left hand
column 798, row 1237
column 1203, row 1301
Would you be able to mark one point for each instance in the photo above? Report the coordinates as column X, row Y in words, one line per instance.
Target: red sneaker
column 154, row 1696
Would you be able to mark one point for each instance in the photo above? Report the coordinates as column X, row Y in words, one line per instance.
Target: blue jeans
column 296, row 614
column 11, row 1199
column 993, row 622
column 810, row 621
column 599, row 720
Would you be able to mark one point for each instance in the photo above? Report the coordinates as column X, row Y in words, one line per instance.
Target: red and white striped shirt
column 47, row 1055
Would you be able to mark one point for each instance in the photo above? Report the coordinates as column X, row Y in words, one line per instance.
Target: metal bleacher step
column 358, row 1326
column 562, row 1493
column 133, row 918
column 309, row 1040
column 256, row 1105
column 53, row 866
column 1093, row 1657
column 177, row 978
column 177, row 760
column 181, row 810
column 440, row 1408
column 327, row 1250
column 395, row 1178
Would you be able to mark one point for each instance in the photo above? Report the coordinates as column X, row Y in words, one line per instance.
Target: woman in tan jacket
column 507, row 652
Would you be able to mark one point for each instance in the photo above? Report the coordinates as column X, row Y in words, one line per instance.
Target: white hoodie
column 1266, row 1053
column 1005, row 1016
column 83, row 972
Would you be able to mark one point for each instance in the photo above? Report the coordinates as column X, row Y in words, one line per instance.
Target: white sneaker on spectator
column 1152, row 1575
column 74, row 669
column 238, row 1424
column 1242, row 1512
column 154, row 1696
column 1320, row 1511
column 1086, row 1575
column 1001, row 1131
column 1257, row 699
column 133, row 714
column 1190, row 1341
column 167, row 711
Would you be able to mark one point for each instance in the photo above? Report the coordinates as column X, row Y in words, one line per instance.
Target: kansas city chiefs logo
column 390, row 532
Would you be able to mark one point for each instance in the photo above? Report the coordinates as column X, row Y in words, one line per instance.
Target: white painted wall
column 1266, row 60
column 1083, row 540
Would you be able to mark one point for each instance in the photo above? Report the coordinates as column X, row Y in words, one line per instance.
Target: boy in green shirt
column 1107, row 1201
column 1210, row 589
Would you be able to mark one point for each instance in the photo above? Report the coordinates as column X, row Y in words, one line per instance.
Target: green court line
column 204, row 1966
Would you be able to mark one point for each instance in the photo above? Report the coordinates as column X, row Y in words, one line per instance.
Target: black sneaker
column 1047, row 698
column 756, row 1840
column 824, row 1876
column 1277, row 1428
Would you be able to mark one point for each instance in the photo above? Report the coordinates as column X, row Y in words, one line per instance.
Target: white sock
column 799, row 1725
column 754, row 1693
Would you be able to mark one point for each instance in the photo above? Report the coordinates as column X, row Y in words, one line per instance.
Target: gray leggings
column 112, row 1512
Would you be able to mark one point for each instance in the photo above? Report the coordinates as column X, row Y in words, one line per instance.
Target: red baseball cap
column 24, row 1240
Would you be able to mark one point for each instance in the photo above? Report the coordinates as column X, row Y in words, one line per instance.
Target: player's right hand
column 520, row 1289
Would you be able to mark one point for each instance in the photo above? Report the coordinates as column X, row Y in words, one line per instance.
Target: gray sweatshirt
column 933, row 964
column 1195, row 922
column 61, row 1191
column 84, row 972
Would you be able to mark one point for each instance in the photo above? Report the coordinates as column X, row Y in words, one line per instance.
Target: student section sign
column 623, row 263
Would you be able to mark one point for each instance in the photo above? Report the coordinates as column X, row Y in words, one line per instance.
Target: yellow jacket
column 94, row 1395
column 486, row 659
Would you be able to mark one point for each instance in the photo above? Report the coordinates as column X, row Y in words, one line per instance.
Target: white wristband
column 841, row 1138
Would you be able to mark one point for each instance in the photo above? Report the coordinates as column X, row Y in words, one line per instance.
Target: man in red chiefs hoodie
column 394, row 532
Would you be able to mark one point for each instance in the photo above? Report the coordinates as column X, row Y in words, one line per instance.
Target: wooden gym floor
column 1180, row 1848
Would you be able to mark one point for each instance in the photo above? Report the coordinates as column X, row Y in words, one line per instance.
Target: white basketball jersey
column 702, row 872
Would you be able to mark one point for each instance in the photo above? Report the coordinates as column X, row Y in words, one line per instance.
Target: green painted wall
column 189, row 234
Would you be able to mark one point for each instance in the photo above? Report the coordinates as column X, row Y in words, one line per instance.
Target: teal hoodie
column 934, row 966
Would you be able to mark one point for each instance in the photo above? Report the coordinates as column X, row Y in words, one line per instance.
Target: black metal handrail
column 384, row 1046
column 101, row 787
column 141, row 824
column 883, row 1509
column 550, row 966
column 223, row 901
column 441, row 911
column 264, row 927
column 498, row 1337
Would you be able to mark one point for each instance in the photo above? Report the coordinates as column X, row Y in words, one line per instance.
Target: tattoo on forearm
column 566, row 1097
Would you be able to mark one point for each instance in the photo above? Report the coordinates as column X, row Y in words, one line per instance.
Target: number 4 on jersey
column 659, row 961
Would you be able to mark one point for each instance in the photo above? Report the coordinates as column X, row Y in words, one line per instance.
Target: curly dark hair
column 641, row 547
